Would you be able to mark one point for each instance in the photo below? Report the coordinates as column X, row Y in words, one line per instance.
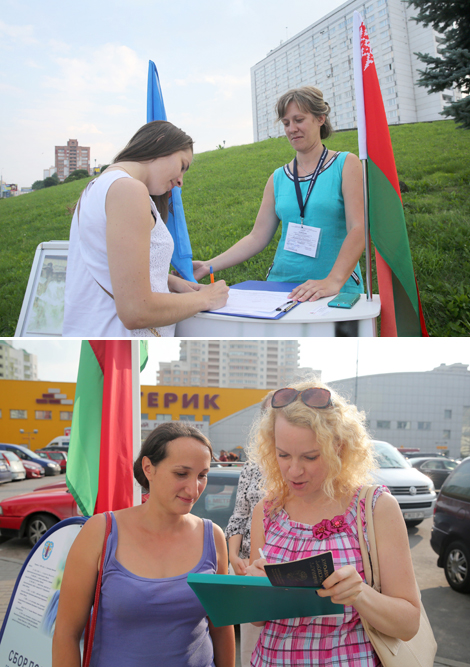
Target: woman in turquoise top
column 322, row 230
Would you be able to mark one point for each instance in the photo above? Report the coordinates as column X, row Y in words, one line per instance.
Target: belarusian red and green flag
column 401, row 313
column 100, row 460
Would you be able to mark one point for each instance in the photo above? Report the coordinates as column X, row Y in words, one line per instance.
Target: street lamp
column 29, row 435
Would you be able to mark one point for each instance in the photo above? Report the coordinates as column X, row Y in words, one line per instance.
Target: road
column 448, row 611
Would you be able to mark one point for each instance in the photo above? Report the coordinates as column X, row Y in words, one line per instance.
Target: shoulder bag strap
column 91, row 626
column 369, row 557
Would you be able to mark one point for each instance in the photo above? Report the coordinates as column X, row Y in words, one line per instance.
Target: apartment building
column 71, row 157
column 251, row 364
column 17, row 364
column 322, row 56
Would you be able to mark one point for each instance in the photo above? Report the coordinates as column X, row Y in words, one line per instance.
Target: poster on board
column 28, row 627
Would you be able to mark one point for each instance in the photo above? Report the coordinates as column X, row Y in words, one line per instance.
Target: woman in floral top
column 316, row 455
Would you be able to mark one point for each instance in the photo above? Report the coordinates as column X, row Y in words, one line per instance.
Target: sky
column 334, row 357
column 79, row 71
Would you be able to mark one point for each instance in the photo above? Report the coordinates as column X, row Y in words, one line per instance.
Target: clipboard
column 263, row 286
column 229, row 599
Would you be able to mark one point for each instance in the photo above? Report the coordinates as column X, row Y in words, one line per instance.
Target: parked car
column 450, row 536
column 437, row 468
column 14, row 463
column 54, row 455
column 50, row 467
column 414, row 455
column 61, row 441
column 33, row 470
column 5, row 472
column 413, row 490
column 32, row 514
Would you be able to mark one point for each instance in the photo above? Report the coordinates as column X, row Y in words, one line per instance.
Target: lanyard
column 303, row 204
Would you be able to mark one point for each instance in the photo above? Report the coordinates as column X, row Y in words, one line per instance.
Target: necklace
column 308, row 171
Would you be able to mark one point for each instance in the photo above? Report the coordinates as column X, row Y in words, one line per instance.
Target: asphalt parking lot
column 448, row 611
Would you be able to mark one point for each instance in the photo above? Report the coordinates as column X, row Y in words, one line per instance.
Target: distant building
column 430, row 410
column 48, row 172
column 251, row 364
column 322, row 56
column 17, row 364
column 70, row 158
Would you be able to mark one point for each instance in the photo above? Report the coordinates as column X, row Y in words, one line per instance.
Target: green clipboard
column 229, row 599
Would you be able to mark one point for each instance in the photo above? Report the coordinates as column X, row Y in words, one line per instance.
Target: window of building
column 447, row 414
column 424, row 426
column 392, row 103
column 163, row 418
column 404, row 425
column 383, row 423
column 187, row 418
column 144, row 415
column 383, row 23
column 18, row 414
column 43, row 414
column 66, row 416
column 446, row 434
column 0, row 414
column 206, row 418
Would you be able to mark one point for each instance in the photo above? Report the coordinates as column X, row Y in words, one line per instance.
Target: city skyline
column 336, row 357
column 90, row 83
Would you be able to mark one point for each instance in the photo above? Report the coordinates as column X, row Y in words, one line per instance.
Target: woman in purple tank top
column 148, row 614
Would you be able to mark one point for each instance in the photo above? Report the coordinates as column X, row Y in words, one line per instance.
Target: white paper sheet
column 255, row 303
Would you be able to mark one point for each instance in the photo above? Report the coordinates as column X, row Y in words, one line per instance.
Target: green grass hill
column 222, row 193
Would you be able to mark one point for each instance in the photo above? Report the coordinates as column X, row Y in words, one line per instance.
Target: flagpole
column 362, row 142
column 136, row 412
column 365, row 185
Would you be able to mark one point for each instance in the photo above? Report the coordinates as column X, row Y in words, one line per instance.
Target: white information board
column 28, row 627
column 42, row 312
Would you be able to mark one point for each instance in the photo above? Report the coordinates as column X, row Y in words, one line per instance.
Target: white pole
column 136, row 412
column 362, row 141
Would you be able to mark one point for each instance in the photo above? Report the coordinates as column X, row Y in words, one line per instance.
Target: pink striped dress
column 334, row 641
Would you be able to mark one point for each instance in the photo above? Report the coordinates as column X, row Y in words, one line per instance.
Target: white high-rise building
column 249, row 364
column 17, row 364
column 322, row 56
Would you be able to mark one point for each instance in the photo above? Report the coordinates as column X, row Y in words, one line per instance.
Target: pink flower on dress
column 327, row 527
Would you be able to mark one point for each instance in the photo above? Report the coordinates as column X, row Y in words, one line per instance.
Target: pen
column 287, row 308
column 284, row 304
column 261, row 553
column 212, row 275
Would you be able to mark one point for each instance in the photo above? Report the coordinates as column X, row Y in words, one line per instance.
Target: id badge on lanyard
column 303, row 239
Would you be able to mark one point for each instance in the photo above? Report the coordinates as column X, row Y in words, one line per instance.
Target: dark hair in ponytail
column 155, row 445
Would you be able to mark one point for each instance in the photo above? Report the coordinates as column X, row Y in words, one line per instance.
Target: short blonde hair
column 309, row 100
column 340, row 433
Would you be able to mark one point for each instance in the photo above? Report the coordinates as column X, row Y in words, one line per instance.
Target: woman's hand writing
column 312, row 290
column 256, row 569
column 343, row 586
column 217, row 294
column 239, row 565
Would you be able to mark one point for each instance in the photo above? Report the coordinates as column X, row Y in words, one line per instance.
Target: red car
column 57, row 457
column 32, row 514
column 33, row 470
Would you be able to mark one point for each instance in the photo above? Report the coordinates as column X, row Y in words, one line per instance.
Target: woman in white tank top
column 118, row 281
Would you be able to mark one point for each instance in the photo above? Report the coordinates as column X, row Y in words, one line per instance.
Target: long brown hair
column 158, row 138
column 309, row 100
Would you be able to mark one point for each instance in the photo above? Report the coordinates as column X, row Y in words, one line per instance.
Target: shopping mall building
column 428, row 410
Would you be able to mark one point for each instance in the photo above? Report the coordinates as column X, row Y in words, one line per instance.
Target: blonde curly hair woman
column 315, row 454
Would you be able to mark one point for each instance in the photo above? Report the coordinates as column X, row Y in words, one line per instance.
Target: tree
column 451, row 68
column 37, row 185
column 50, row 181
column 76, row 175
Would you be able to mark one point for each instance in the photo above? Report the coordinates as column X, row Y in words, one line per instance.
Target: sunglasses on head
column 315, row 397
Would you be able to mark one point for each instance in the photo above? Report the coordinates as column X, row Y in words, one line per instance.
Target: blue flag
column 182, row 254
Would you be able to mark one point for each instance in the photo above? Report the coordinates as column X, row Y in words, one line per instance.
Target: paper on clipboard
column 253, row 303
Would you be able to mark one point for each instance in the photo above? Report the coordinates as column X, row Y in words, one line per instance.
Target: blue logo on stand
column 47, row 550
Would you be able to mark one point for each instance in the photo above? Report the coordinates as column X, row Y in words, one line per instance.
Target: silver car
column 15, row 465
column 413, row 490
